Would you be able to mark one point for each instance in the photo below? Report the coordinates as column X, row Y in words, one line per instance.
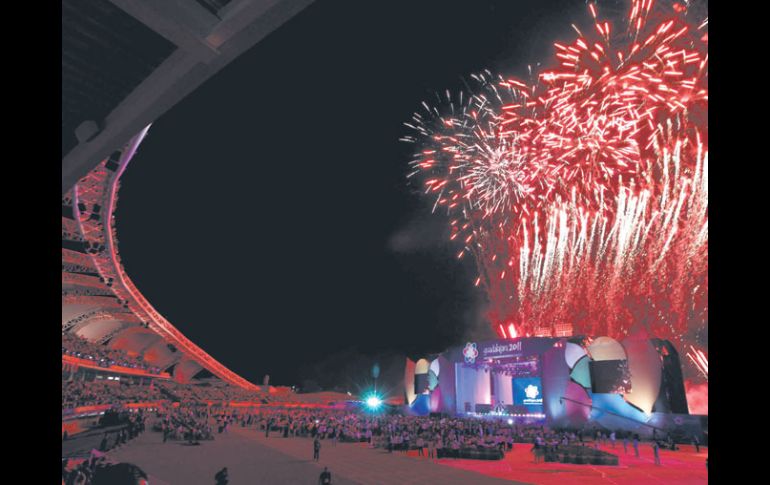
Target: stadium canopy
column 126, row 62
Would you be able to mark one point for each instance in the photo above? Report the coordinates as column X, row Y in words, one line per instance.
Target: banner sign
column 480, row 352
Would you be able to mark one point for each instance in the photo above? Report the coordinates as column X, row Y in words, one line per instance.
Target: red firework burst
column 583, row 196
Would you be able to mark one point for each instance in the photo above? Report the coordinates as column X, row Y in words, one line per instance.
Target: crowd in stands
column 76, row 393
column 101, row 355
column 211, row 391
column 90, row 393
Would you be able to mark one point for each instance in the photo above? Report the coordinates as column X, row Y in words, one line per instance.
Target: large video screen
column 610, row 376
column 528, row 391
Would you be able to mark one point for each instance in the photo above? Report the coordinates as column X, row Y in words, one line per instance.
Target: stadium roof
column 126, row 62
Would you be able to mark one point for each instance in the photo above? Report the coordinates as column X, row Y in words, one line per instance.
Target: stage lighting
column 373, row 402
column 510, row 421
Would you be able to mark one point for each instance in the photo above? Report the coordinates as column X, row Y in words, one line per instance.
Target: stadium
column 606, row 400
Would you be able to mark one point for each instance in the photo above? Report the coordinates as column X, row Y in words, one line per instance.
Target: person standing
column 325, row 478
column 316, row 448
column 696, row 442
column 656, row 452
column 431, row 447
column 420, row 445
column 267, row 428
column 625, row 443
column 612, row 439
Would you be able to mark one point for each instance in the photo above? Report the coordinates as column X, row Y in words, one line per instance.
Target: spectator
column 325, row 478
column 636, row 445
column 316, row 448
column 221, row 477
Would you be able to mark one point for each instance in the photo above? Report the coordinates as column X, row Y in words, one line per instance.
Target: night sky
column 268, row 215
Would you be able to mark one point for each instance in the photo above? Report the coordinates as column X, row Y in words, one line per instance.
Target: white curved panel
column 434, row 366
column 573, row 353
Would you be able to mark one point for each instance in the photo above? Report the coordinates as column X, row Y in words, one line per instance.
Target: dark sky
column 268, row 215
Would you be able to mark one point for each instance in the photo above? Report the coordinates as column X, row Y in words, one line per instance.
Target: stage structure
column 569, row 382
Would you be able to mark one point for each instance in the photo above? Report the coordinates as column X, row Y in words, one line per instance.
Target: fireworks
column 583, row 196
column 699, row 359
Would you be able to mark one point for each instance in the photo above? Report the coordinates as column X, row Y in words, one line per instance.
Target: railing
column 118, row 369
column 80, row 411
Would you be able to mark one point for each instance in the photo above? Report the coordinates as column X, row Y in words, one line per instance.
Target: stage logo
column 527, row 392
column 470, row 352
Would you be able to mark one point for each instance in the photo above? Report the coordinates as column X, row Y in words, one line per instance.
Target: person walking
column 325, row 478
column 221, row 477
column 636, row 445
column 696, row 442
column 316, row 448
column 536, row 449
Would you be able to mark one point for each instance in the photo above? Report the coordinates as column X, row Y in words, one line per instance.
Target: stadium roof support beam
column 202, row 51
column 184, row 24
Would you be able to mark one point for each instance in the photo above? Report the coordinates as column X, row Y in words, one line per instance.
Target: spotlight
column 373, row 402
column 510, row 421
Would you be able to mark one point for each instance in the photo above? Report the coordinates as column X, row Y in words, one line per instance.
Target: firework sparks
column 583, row 196
column 699, row 359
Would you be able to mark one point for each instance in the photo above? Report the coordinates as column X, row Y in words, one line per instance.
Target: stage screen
column 528, row 391
column 610, row 376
